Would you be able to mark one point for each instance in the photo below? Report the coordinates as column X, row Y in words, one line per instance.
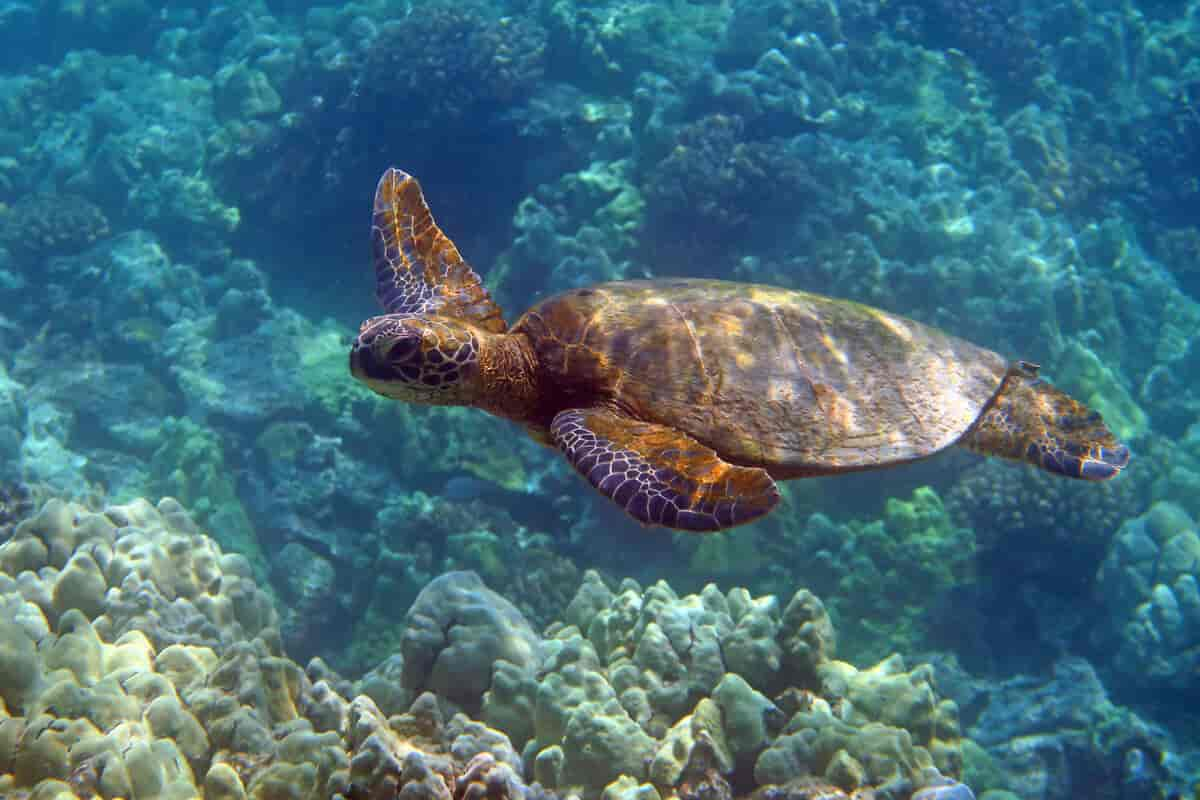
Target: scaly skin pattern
column 1030, row 420
column 415, row 358
column 418, row 270
column 445, row 361
column 441, row 342
column 660, row 476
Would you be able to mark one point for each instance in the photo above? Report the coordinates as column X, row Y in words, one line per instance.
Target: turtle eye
column 404, row 348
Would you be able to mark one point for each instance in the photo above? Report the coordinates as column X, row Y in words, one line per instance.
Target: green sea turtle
column 683, row 401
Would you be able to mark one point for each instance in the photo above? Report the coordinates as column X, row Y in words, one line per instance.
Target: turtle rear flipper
column 660, row 475
column 1030, row 420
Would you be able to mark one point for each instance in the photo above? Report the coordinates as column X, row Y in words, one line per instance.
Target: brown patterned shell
column 796, row 383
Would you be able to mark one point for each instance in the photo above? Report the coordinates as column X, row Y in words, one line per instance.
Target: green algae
column 1100, row 387
column 323, row 371
column 980, row 771
column 481, row 551
column 903, row 563
column 189, row 465
column 735, row 552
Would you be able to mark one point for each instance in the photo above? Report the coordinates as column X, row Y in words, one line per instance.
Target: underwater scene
column 600, row 399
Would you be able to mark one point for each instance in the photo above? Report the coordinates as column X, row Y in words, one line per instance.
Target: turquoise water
column 186, row 253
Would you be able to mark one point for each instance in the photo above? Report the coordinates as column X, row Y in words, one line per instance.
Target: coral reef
column 666, row 688
column 470, row 61
column 1168, row 151
column 607, row 207
column 885, row 576
column 16, row 503
column 447, row 74
column 47, row 224
column 996, row 34
column 136, row 659
column 1039, row 545
column 755, row 28
column 716, row 188
column 608, row 46
column 134, row 567
column 420, row 536
column 1148, row 582
column 183, row 192
column 1059, row 734
column 456, row 632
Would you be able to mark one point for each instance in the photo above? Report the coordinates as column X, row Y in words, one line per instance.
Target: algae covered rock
column 417, row 754
column 649, row 696
column 136, row 567
column 130, row 670
column 456, row 630
column 1150, row 583
column 139, row 660
column 1053, row 735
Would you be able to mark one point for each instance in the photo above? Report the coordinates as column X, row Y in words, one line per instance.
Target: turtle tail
column 1030, row 420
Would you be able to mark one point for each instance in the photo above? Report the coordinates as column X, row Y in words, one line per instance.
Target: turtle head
column 432, row 360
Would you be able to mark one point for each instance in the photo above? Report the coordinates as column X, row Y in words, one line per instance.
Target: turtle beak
column 364, row 359
column 363, row 363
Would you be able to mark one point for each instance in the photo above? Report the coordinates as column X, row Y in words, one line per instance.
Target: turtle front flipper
column 659, row 475
column 418, row 270
column 1030, row 420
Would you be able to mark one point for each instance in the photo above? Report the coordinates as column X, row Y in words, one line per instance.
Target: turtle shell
column 797, row 383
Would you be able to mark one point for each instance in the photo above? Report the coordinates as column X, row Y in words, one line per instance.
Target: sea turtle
column 684, row 400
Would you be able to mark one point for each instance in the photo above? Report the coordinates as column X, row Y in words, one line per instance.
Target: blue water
column 186, row 255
